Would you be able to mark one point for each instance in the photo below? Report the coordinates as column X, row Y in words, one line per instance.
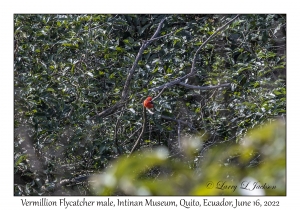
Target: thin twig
column 134, row 132
column 209, row 38
column 204, row 87
column 174, row 82
column 193, row 72
column 116, row 133
column 178, row 136
column 160, row 37
column 141, row 134
column 157, row 30
column 159, row 93
column 138, row 57
column 125, row 91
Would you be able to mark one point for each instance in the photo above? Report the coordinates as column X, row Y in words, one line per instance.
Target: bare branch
column 204, row 87
column 139, row 55
column 116, row 133
column 178, row 135
column 112, row 109
column 159, row 93
column 144, row 126
column 160, row 37
column 141, row 134
column 174, row 82
column 209, row 38
column 157, row 30
column 193, row 72
column 134, row 133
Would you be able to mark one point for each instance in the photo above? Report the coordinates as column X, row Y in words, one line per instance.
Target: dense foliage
column 74, row 116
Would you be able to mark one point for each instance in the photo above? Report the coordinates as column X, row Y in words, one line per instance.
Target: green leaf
column 50, row 90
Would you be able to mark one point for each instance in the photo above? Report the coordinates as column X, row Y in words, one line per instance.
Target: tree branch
column 160, row 37
column 139, row 55
column 174, row 82
column 141, row 134
column 116, row 133
column 178, row 135
column 110, row 110
column 204, row 87
column 159, row 94
column 193, row 72
column 125, row 91
column 157, row 31
column 209, row 38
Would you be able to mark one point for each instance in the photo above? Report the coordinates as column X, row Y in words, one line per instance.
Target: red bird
column 148, row 103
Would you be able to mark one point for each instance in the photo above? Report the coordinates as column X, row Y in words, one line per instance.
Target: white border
column 8, row 201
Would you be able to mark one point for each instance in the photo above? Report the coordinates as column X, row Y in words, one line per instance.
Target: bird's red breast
column 148, row 103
